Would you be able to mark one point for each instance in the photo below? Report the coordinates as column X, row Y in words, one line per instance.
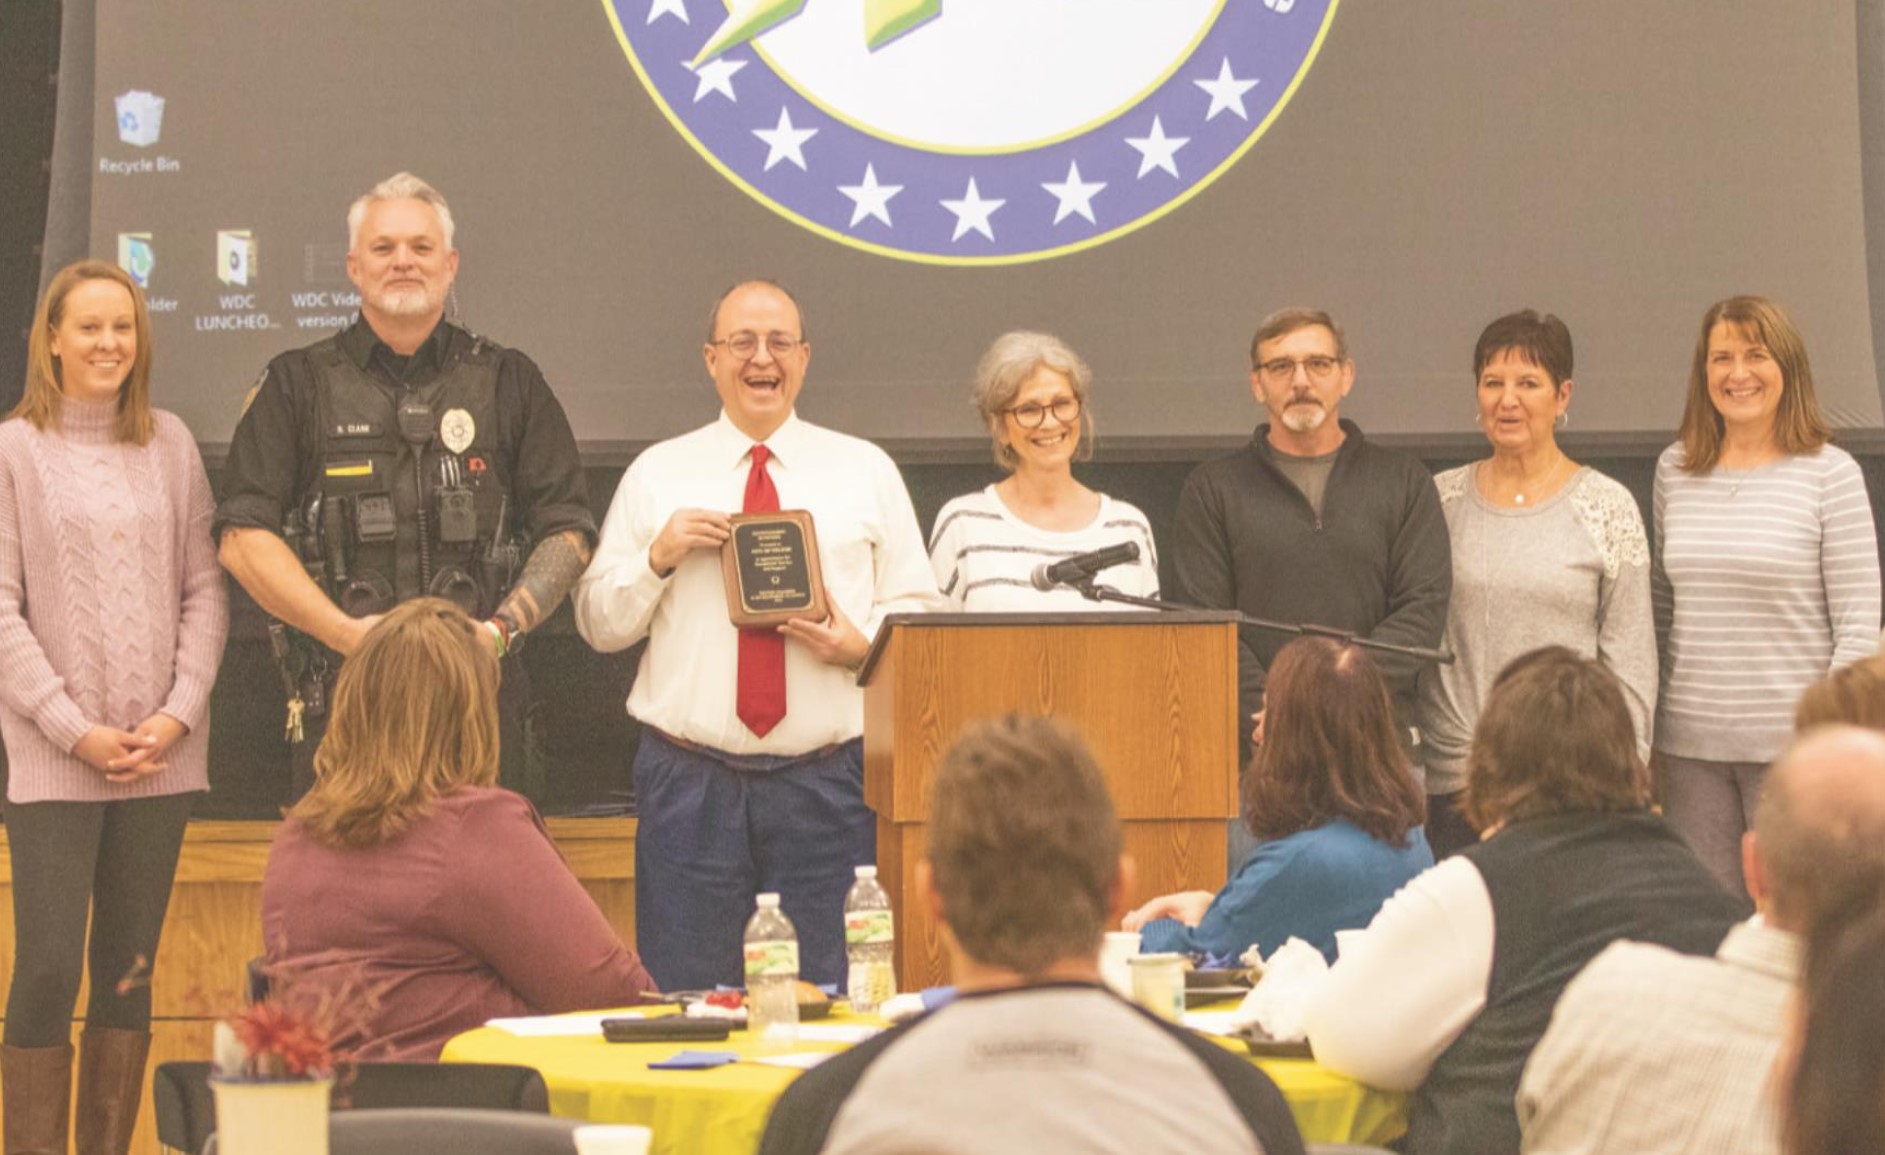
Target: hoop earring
column 1564, row 419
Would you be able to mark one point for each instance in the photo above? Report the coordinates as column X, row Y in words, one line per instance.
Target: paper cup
column 1158, row 984
column 1116, row 953
column 612, row 1139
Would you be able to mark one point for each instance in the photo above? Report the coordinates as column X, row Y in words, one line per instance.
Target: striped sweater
column 112, row 606
column 984, row 555
column 1764, row 580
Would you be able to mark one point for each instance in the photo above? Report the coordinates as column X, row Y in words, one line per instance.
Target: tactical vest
column 412, row 498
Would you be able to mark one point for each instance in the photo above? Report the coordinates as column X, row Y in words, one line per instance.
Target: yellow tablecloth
column 723, row 1111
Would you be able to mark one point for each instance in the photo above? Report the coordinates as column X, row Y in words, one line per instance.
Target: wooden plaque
column 771, row 568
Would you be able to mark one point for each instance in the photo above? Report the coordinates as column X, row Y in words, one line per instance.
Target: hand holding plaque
column 770, row 562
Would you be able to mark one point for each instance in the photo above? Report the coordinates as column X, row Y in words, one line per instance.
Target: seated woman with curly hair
column 1333, row 796
column 408, row 875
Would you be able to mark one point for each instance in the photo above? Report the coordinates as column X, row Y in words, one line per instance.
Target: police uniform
column 400, row 477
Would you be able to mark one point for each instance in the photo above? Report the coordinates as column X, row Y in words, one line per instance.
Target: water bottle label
column 772, row 958
column 863, row 927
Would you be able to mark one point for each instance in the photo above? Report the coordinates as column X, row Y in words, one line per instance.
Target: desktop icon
column 136, row 257
column 140, row 118
column 235, row 256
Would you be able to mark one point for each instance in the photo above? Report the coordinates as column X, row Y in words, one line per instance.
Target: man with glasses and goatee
column 749, row 774
column 1311, row 522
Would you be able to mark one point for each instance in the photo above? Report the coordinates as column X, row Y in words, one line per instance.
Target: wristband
column 501, row 634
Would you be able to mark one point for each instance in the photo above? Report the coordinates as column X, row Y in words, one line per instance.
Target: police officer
column 402, row 457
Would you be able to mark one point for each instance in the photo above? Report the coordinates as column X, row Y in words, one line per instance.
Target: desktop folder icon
column 235, row 256
column 136, row 257
column 140, row 118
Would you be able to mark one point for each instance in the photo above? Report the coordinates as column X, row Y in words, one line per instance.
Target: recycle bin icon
column 140, row 118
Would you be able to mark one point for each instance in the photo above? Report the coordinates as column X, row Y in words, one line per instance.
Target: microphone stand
column 1095, row 591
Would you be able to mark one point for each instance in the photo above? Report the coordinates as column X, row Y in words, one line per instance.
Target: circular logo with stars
column 971, row 132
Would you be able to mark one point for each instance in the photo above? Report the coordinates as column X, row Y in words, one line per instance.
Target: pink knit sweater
column 112, row 605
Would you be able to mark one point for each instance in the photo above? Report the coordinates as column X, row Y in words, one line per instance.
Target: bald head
column 1819, row 832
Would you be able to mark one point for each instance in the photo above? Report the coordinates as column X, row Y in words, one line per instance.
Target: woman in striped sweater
column 1032, row 393
column 1766, row 572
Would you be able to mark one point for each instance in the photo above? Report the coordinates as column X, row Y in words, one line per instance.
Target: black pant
column 118, row 858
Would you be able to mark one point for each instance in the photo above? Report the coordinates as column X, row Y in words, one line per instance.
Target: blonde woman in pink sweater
column 112, row 620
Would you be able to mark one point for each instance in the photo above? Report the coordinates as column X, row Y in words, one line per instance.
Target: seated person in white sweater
column 1032, row 392
column 1453, row 983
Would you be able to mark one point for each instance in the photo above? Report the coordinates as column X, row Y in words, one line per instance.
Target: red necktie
column 761, row 700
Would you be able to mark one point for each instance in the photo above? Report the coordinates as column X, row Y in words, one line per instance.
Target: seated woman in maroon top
column 406, row 875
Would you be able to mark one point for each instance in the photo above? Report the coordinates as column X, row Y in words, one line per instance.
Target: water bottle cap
column 867, row 872
column 768, row 900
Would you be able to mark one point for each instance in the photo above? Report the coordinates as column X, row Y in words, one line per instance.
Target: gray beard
column 1304, row 418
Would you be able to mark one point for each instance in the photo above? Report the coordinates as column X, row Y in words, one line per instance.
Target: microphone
column 1081, row 567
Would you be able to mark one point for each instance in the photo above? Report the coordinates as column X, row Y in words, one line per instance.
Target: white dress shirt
column 869, row 547
column 1651, row 1052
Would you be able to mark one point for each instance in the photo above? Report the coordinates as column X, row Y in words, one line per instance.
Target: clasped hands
column 834, row 641
column 128, row 755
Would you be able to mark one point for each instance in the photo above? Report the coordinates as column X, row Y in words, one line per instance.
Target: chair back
column 186, row 1112
column 424, row 1131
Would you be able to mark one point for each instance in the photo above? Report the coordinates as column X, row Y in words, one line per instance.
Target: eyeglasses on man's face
column 745, row 345
column 1282, row 370
column 1033, row 414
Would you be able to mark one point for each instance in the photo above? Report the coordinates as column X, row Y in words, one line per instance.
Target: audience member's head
column 1555, row 737
column 1853, row 695
column 414, row 716
column 1817, row 850
column 1025, row 866
column 1330, row 749
column 1833, row 1080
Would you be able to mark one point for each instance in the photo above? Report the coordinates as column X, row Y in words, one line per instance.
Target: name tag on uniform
column 355, row 429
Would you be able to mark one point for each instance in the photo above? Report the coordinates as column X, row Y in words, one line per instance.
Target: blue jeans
column 718, row 829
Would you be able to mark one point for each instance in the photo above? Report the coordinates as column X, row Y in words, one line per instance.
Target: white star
column 715, row 76
column 785, row 142
column 972, row 212
column 1156, row 150
column 1226, row 92
column 870, row 198
column 660, row 8
column 1075, row 196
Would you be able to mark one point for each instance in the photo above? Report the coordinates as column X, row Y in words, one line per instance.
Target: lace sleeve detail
column 1609, row 514
column 1452, row 484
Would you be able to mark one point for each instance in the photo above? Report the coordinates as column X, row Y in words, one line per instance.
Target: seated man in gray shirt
column 1025, row 871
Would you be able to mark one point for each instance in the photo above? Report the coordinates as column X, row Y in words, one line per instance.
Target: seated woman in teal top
column 1334, row 796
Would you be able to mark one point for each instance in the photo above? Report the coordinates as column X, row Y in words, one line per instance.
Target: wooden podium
column 1154, row 694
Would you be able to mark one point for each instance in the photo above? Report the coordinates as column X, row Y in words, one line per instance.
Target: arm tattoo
column 548, row 577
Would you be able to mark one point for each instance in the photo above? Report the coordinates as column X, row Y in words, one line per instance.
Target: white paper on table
column 836, row 1032
column 800, row 1060
column 1212, row 1022
column 553, row 1026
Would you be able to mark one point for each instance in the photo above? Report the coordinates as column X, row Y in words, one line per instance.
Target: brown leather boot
column 37, row 1087
column 111, row 1082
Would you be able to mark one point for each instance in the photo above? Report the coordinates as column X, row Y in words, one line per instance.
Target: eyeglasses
column 1283, row 370
column 743, row 345
column 1034, row 414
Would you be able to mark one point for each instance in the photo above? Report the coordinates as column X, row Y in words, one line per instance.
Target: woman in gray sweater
column 1767, row 572
column 1545, row 552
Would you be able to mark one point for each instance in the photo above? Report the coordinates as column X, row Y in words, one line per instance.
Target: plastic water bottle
column 870, row 937
column 772, row 974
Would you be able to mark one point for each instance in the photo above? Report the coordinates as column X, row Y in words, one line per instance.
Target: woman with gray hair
column 1032, row 393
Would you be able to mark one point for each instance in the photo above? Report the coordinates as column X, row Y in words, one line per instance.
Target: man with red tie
column 750, row 769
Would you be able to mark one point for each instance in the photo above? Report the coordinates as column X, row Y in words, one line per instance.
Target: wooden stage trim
column 214, row 925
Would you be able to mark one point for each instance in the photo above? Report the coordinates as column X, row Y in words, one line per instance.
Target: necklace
column 1544, row 482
